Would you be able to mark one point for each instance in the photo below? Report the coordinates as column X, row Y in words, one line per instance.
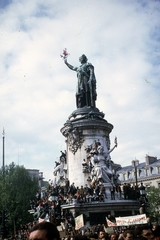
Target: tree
column 153, row 195
column 17, row 187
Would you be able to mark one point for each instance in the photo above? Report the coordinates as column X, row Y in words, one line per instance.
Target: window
column 147, row 171
column 139, row 172
column 124, row 177
column 133, row 174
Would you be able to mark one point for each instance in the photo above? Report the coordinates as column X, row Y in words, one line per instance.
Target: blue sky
column 37, row 91
column 4, row 3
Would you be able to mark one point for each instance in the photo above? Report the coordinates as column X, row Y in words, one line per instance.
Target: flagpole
column 3, row 136
column 3, row 228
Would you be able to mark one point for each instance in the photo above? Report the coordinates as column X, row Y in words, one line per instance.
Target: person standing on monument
column 142, row 189
column 119, row 191
column 112, row 191
column 86, row 88
column 58, row 171
column 73, row 189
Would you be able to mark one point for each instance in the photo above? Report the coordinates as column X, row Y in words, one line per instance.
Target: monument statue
column 86, row 87
column 87, row 132
column 100, row 172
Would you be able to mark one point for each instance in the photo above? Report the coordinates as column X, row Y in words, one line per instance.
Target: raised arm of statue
column 112, row 149
column 116, row 144
column 69, row 65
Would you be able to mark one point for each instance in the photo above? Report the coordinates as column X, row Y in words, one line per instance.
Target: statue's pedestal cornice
column 87, row 117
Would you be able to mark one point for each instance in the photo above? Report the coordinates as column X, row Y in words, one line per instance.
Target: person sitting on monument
column 102, row 190
column 88, row 198
column 85, row 166
column 101, row 197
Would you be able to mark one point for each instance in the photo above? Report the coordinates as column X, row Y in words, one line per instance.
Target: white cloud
column 37, row 92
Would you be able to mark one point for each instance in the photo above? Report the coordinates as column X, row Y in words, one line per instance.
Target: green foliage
column 17, row 187
column 153, row 195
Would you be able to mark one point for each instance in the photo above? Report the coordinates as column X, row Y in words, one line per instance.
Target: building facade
column 37, row 174
column 147, row 172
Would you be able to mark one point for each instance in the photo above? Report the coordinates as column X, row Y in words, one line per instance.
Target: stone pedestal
column 107, row 191
column 83, row 127
column 96, row 212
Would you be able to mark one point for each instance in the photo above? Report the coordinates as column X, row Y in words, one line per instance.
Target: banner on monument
column 131, row 220
column 79, row 222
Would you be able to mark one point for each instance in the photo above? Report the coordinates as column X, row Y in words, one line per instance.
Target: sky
column 37, row 91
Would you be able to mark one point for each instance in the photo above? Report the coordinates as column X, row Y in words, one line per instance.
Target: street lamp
column 135, row 168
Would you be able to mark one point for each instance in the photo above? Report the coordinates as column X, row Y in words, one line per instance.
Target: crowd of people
column 47, row 203
column 100, row 232
column 46, row 207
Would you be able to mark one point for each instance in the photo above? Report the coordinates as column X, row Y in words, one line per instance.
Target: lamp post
column 3, row 228
column 135, row 168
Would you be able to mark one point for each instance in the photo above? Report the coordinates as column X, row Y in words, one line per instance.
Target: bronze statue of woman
column 86, row 87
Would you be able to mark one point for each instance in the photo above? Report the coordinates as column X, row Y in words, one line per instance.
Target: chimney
column 150, row 160
column 135, row 163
